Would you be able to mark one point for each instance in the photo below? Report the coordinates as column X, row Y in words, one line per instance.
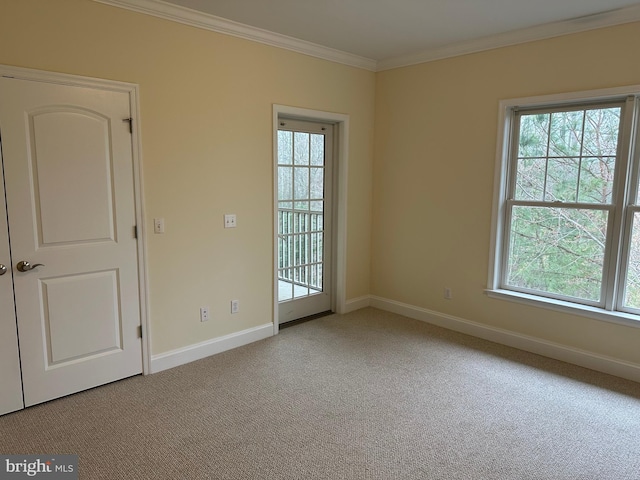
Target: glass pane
column 281, row 222
column 566, row 134
column 284, row 218
column 315, row 248
column 301, row 185
column 319, row 284
column 317, row 150
column 285, row 183
column 534, row 135
column 596, row 180
column 558, row 251
column 300, row 278
column 301, row 219
column 297, row 249
column 317, row 183
column 301, row 148
column 281, row 253
column 285, row 150
column 562, row 180
column 601, row 129
column 304, row 249
column 317, row 223
column 290, row 254
column 530, row 179
column 285, row 289
column 317, row 206
column 632, row 293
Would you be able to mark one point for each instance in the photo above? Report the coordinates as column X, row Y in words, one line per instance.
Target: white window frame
column 621, row 242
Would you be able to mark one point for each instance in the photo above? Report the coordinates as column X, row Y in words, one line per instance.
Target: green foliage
column 558, row 250
column 566, row 157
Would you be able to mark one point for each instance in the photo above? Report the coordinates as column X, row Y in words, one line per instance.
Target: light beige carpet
column 368, row 395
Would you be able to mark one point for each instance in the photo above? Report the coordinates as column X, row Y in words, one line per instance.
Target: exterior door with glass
column 304, row 208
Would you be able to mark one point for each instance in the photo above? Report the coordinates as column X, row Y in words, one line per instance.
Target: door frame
column 340, row 177
column 136, row 150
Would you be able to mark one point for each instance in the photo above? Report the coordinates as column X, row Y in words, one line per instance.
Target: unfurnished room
column 247, row 239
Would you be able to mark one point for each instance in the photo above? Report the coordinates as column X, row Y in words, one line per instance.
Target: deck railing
column 300, row 247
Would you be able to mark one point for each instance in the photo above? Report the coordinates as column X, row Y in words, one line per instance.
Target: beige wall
column 436, row 129
column 206, row 107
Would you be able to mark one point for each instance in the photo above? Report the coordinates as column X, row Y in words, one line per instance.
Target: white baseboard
column 583, row 358
column 180, row 356
column 357, row 303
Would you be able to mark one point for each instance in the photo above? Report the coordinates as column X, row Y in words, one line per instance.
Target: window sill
column 626, row 319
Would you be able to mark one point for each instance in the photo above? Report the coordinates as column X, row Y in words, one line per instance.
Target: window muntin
column 565, row 207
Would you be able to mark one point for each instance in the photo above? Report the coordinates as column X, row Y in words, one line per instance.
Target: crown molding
column 187, row 16
column 515, row 37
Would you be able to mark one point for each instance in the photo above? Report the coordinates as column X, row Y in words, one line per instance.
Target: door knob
column 3, row 269
column 23, row 266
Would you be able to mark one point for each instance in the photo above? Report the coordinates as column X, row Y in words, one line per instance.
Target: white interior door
column 10, row 381
column 67, row 158
column 304, row 212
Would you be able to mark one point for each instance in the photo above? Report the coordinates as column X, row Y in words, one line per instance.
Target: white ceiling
column 382, row 29
column 379, row 34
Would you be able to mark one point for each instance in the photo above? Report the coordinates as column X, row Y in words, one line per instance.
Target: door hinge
column 139, row 331
column 135, row 231
column 130, row 120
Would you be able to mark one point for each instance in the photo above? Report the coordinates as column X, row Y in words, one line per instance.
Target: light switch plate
column 158, row 225
column 230, row 221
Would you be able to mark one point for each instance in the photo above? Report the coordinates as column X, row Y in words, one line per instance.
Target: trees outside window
column 570, row 225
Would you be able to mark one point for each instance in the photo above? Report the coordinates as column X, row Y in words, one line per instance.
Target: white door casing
column 341, row 124
column 71, row 207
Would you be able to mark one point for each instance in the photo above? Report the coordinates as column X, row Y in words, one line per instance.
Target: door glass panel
column 300, row 214
column 301, row 183
column 316, row 183
column 285, row 182
column 301, row 148
column 285, row 148
column 317, row 150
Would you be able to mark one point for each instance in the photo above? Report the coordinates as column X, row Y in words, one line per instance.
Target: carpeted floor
column 368, row 395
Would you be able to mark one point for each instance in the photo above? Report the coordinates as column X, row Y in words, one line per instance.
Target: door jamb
column 341, row 163
column 134, row 103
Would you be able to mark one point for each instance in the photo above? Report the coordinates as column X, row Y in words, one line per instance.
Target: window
column 567, row 214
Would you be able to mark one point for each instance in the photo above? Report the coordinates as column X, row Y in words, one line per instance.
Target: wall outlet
column 204, row 314
column 448, row 294
column 235, row 306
